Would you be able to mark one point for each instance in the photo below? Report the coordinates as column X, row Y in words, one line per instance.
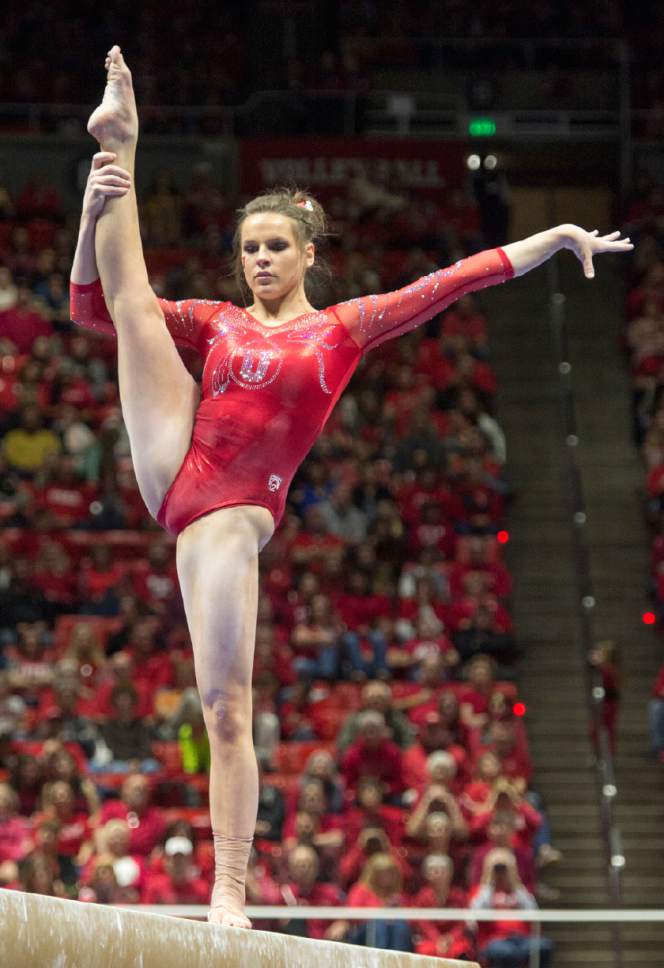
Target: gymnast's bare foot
column 229, row 917
column 115, row 122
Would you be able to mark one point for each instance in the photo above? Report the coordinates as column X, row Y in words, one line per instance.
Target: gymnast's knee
column 227, row 715
column 135, row 307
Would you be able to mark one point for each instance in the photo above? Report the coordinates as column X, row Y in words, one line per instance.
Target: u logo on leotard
column 258, row 366
column 255, row 365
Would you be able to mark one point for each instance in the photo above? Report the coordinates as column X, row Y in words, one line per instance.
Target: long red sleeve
column 184, row 319
column 371, row 320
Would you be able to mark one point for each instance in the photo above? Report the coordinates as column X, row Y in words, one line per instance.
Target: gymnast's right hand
column 105, row 180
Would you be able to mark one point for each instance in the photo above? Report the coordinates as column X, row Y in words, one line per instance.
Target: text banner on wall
column 325, row 166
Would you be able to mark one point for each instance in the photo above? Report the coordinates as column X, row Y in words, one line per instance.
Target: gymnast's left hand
column 585, row 245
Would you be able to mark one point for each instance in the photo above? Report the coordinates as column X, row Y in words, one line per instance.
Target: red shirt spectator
column 146, row 822
column 22, row 324
column 373, row 755
column 179, row 882
column 302, row 887
column 447, row 938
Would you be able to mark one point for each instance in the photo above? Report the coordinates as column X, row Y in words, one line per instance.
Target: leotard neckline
column 287, row 322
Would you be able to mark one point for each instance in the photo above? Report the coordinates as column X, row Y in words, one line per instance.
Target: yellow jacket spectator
column 28, row 446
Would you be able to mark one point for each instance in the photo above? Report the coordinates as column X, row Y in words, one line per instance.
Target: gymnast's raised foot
column 115, row 122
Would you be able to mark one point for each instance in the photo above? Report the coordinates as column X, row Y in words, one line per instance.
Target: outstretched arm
column 371, row 320
column 536, row 249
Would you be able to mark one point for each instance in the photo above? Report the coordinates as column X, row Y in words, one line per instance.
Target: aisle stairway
column 613, row 480
column 551, row 674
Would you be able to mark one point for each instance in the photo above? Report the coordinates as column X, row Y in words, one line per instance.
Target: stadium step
column 551, row 674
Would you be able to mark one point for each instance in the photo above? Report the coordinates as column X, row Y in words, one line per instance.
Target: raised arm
column 184, row 319
column 371, row 320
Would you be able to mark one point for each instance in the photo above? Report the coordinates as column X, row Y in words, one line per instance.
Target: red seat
column 328, row 720
column 169, row 754
column 288, row 783
column 291, row 757
column 41, row 233
column 492, row 549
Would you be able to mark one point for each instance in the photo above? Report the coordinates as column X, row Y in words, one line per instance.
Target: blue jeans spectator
column 389, row 935
column 324, row 666
column 542, row 835
column 656, row 724
column 514, row 951
column 378, row 661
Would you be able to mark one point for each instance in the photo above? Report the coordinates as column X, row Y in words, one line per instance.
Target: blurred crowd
column 643, row 343
column 388, row 727
column 214, row 56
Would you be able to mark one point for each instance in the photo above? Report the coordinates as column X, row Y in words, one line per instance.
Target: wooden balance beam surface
column 45, row 932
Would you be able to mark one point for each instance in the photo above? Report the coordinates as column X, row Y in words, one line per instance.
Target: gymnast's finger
column 102, row 158
column 115, row 171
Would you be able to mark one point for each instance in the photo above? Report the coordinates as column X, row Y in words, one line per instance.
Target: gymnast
column 214, row 463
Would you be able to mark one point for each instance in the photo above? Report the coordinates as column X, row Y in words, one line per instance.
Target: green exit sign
column 481, row 127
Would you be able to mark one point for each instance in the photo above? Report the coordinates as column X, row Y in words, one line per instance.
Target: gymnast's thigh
column 159, row 398
column 217, row 563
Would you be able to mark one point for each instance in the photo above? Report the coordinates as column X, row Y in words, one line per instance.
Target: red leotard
column 267, row 390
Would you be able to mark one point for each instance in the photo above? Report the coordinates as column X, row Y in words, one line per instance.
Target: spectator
column 162, row 210
column 449, row 939
column 271, row 809
column 369, row 810
column 46, row 848
column 433, row 735
column 329, row 835
column 15, row 830
column 303, row 887
column 28, row 446
column 315, row 641
column 120, row 671
column 656, row 716
column 605, row 657
column 380, row 885
column 180, row 882
column 38, row 877
column 13, row 709
column 113, row 845
column 501, row 832
column 8, row 289
column 23, row 322
column 59, row 804
column 321, row 766
column 506, row 944
column 342, row 517
column 134, row 806
column 27, row 779
column 373, row 754
column 127, row 736
column 377, row 696
column 437, row 796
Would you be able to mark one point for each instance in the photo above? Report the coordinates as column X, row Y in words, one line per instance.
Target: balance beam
column 46, row 932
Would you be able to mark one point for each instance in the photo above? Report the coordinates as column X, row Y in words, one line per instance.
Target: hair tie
column 307, row 203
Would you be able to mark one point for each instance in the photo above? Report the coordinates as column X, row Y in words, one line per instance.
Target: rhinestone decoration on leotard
column 185, row 316
column 312, row 328
column 380, row 304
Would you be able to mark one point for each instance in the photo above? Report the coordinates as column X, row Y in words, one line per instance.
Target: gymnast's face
column 273, row 260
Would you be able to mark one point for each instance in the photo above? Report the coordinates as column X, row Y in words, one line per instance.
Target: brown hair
column 377, row 863
column 310, row 225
